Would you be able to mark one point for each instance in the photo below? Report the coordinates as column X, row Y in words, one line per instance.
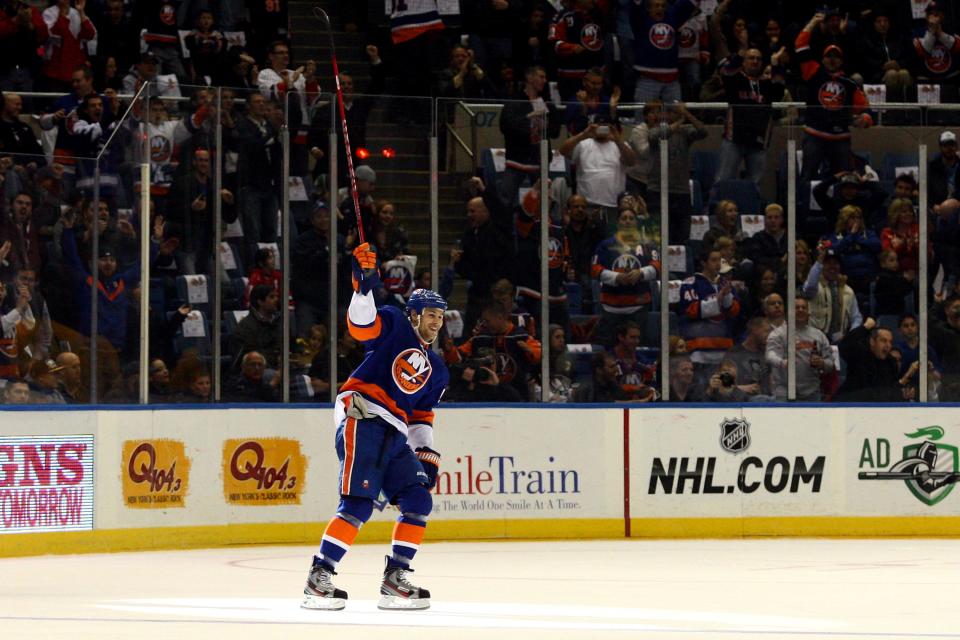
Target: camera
column 603, row 130
column 726, row 378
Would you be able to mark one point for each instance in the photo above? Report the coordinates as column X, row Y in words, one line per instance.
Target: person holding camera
column 601, row 157
column 722, row 385
column 813, row 356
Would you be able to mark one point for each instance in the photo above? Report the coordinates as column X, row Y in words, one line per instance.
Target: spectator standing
column 145, row 70
column 464, row 78
column 872, row 375
column 190, row 214
column 578, row 44
column 206, row 46
column 70, row 30
column 624, row 268
column 938, row 51
column 18, row 228
column 22, row 32
column 942, row 190
column 750, row 91
column 656, row 47
column 590, row 101
column 833, row 304
column 158, row 19
column 524, row 123
column 834, row 103
column 641, row 137
column 36, row 340
column 487, row 245
column 683, row 130
column 117, row 38
column 309, row 278
column 601, row 158
column 261, row 331
column 884, row 55
column 260, row 159
column 814, row 356
column 527, row 266
column 708, row 309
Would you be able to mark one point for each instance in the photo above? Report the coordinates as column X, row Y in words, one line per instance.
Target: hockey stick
column 323, row 17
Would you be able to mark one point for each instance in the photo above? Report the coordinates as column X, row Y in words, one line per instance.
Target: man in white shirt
column 601, row 158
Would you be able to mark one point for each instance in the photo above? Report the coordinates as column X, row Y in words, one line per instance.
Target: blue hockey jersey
column 655, row 42
column 401, row 379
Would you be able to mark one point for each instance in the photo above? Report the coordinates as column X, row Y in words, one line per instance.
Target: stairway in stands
column 404, row 179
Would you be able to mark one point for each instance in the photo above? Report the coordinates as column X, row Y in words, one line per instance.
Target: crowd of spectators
column 70, row 253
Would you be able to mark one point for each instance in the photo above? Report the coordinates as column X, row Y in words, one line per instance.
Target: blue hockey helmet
column 421, row 299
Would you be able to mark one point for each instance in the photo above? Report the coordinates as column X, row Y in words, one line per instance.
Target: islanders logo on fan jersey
column 626, row 262
column 939, row 59
column 662, row 36
column 590, row 37
column 832, row 94
column 411, row 369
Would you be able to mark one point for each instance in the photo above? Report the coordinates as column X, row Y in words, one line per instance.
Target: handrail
column 459, row 140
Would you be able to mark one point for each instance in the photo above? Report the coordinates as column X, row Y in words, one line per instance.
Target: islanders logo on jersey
column 688, row 38
column 832, row 94
column 626, row 262
column 590, row 37
column 168, row 15
column 555, row 253
column 662, row 36
column 939, row 60
column 411, row 369
column 160, row 149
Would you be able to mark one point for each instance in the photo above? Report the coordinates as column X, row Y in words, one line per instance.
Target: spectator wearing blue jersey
column 655, row 26
column 708, row 309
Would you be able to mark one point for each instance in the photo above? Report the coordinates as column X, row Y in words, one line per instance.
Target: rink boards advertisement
column 153, row 478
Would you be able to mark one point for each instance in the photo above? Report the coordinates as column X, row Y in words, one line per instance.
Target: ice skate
column 320, row 592
column 397, row 592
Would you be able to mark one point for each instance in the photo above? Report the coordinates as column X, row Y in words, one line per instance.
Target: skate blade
column 398, row 603
column 323, row 604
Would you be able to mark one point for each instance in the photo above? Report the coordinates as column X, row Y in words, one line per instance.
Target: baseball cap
column 149, row 56
column 832, row 49
column 39, row 368
column 831, row 253
column 947, row 137
column 106, row 251
column 366, row 173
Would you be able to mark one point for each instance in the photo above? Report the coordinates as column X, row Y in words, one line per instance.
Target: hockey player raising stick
column 384, row 417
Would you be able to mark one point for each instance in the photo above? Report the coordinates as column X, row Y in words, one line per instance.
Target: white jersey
column 411, row 18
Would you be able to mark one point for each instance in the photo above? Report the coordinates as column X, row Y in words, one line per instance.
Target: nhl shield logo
column 734, row 435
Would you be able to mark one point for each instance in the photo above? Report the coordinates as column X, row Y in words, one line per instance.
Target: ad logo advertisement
column 156, row 474
column 506, row 483
column 928, row 467
column 754, row 474
column 46, row 483
column 263, row 471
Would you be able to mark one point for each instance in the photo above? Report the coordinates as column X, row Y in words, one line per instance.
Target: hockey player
column 384, row 417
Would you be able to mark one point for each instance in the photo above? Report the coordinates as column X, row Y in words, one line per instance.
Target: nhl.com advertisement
column 716, row 464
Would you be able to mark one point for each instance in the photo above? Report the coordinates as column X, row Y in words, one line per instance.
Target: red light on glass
column 388, row 152
column 362, row 153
